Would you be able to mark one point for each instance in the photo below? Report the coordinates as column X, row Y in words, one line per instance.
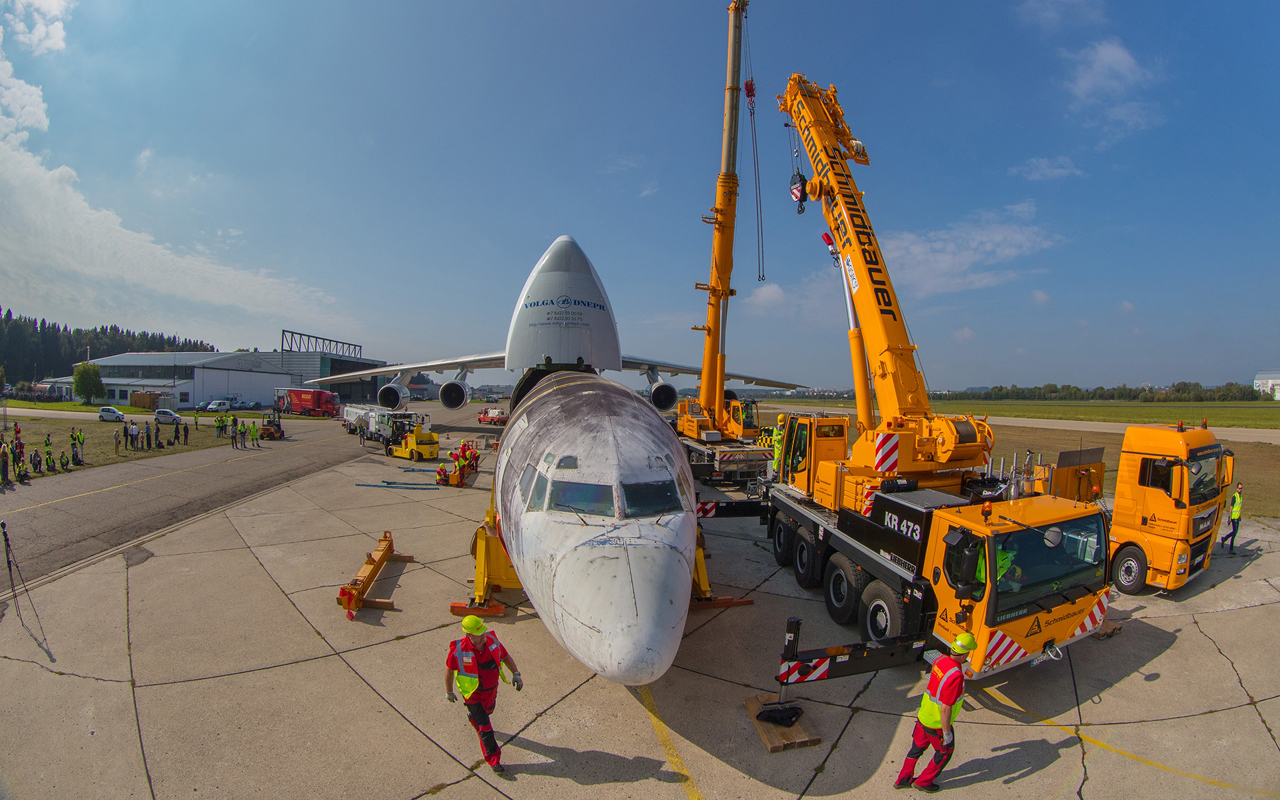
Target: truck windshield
column 649, row 499
column 1027, row 568
column 748, row 414
column 595, row 499
column 1203, row 473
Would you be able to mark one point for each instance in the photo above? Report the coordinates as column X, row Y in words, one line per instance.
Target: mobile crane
column 719, row 431
column 898, row 516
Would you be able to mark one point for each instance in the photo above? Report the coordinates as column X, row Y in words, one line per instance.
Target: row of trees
column 1182, row 392
column 32, row 350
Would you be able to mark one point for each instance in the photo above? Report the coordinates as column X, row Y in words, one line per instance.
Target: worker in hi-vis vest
column 778, row 430
column 474, row 666
column 938, row 709
column 1237, row 502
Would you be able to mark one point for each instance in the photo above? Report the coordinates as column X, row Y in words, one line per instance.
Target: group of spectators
column 13, row 456
column 135, row 438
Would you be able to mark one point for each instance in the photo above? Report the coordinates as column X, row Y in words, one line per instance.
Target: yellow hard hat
column 964, row 643
column 474, row 626
column 782, row 418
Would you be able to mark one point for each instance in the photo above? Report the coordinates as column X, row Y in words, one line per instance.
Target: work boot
column 499, row 769
column 929, row 788
column 903, row 782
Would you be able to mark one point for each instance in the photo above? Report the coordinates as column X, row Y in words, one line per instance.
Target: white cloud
column 650, row 189
column 51, row 239
column 1106, row 75
column 234, row 232
column 934, row 262
column 37, row 24
column 1039, row 297
column 1052, row 14
column 1126, row 306
column 963, row 335
column 1046, row 169
column 21, row 105
column 623, row 164
column 141, row 161
column 766, row 299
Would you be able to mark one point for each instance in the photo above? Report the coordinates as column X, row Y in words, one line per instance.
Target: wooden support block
column 491, row 609
column 696, row 603
column 775, row 737
column 385, row 605
column 1107, row 629
column 399, row 557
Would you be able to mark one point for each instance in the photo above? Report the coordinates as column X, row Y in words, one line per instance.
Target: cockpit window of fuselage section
column 594, row 499
column 649, row 499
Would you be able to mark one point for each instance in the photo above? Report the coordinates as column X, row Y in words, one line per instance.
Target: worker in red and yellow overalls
column 442, row 475
column 473, row 664
column 938, row 709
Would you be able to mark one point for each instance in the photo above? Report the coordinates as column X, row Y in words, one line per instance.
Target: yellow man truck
column 1171, row 494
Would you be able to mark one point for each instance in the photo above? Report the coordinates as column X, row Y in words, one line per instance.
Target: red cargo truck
column 308, row 402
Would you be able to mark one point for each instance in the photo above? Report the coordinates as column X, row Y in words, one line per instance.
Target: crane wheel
column 783, row 540
column 843, row 587
column 806, row 560
column 1130, row 570
column 414, row 456
column 882, row 613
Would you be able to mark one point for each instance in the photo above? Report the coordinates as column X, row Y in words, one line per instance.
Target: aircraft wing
column 646, row 364
column 479, row 361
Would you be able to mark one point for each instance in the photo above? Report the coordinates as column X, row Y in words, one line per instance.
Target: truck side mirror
column 1176, row 487
column 969, row 567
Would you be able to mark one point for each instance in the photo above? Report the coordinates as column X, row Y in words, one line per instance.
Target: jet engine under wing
column 643, row 365
column 469, row 363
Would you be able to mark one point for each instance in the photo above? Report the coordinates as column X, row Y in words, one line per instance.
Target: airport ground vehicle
column 411, row 437
column 492, row 416
column 218, row 406
column 898, row 517
column 1171, row 494
column 307, row 402
column 110, row 414
column 718, row 430
column 271, row 428
column 355, row 417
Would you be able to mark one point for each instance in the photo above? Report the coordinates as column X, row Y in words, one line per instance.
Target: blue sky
column 1066, row 190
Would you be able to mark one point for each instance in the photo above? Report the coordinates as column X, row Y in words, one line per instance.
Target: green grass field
column 15, row 404
column 1262, row 414
column 99, row 443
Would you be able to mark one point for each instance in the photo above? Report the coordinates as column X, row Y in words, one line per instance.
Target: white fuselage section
column 596, row 504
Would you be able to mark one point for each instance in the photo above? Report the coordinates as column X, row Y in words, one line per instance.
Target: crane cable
column 750, row 88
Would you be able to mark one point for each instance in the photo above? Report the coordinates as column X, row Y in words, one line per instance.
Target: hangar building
column 190, row 377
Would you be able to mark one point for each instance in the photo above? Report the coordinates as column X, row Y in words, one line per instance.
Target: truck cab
column 1170, row 498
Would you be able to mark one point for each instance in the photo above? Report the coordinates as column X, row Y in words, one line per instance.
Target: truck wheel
column 806, row 560
column 882, row 613
column 1130, row 570
column 414, row 456
column 389, row 451
column 783, row 541
column 845, row 584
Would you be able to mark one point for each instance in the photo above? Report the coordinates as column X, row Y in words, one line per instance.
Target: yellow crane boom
column 880, row 347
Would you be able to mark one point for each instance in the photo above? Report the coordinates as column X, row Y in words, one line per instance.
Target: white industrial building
column 1268, row 381
column 190, row 377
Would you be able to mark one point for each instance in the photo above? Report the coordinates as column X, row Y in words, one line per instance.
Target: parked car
column 110, row 414
column 166, row 417
column 218, row 406
column 202, row 406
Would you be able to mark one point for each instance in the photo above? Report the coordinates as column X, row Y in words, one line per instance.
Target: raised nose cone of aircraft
column 620, row 602
column 563, row 314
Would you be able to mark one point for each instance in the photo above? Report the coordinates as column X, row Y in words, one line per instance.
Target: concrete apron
column 213, row 661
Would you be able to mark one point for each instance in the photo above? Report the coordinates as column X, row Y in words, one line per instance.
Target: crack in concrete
column 748, row 593
column 1252, row 702
column 1075, row 688
column 822, row 766
column 61, row 673
column 539, row 715
column 133, row 686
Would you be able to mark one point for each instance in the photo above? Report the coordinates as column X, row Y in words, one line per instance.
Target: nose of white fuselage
column 620, row 605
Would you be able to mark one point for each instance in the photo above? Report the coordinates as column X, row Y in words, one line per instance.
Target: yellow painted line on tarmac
column 169, row 474
column 1133, row 756
column 669, row 746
